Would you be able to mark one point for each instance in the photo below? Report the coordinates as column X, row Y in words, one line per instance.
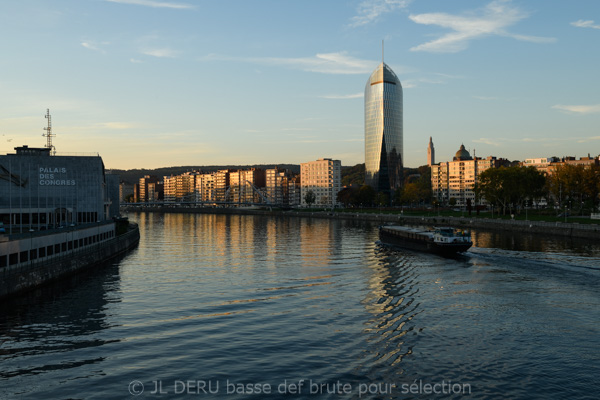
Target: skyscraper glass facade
column 383, row 130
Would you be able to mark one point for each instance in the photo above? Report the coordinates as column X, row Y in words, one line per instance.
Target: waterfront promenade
column 568, row 229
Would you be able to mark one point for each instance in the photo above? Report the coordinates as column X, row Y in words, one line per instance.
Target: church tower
column 430, row 153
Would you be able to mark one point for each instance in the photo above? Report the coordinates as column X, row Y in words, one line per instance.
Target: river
column 236, row 307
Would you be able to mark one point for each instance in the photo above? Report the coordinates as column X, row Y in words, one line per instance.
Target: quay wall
column 23, row 277
column 586, row 231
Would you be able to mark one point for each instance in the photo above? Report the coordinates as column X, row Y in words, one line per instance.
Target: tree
column 510, row 187
column 366, row 195
column 353, row 175
column 533, row 183
column 410, row 193
column 310, row 198
column 577, row 184
column 591, row 184
column 347, row 196
column 382, row 199
column 424, row 183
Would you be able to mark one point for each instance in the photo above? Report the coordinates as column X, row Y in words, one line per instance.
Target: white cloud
column 488, row 141
column 370, row 10
column 491, row 20
column 585, row 24
column 154, row 4
column 589, row 139
column 436, row 79
column 579, row 109
column 92, row 46
column 135, row 61
column 89, row 46
column 161, row 53
column 343, row 96
column 326, row 63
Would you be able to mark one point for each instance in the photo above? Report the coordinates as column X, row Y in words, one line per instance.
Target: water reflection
column 267, row 299
column 32, row 332
column 393, row 303
column 517, row 241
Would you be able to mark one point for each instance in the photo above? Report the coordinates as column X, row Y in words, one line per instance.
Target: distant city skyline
column 149, row 84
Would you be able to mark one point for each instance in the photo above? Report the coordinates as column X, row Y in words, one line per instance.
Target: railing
column 63, row 153
column 73, row 253
column 25, row 234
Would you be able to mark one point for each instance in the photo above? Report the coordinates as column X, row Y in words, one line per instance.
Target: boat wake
column 577, row 270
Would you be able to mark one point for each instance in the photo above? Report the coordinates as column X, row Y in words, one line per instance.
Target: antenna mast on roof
column 382, row 50
column 48, row 135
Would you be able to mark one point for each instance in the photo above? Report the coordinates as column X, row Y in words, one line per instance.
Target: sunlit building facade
column 221, row 184
column 294, row 191
column 549, row 165
column 277, row 187
column 457, row 179
column 205, row 188
column 143, row 186
column 245, row 184
column 322, row 177
column 383, row 130
column 180, row 187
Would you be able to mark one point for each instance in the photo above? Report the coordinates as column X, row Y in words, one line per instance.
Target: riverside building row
column 246, row 186
column 456, row 179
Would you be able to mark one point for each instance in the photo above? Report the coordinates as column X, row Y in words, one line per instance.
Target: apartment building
column 324, row 178
column 456, row 179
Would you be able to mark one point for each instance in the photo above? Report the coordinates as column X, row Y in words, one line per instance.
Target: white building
column 456, row 179
column 542, row 164
column 324, row 178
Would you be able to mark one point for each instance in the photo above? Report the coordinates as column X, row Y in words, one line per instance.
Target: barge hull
column 420, row 241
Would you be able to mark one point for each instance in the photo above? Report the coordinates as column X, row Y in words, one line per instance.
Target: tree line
column 416, row 189
column 512, row 188
column 508, row 189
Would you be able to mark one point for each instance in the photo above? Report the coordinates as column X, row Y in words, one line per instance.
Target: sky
column 159, row 83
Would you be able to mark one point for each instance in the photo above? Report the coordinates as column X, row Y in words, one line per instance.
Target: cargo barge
column 443, row 241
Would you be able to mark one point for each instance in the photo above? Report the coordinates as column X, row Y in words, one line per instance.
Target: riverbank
column 25, row 276
column 586, row 231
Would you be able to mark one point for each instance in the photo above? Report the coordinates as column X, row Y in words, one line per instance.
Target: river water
column 240, row 307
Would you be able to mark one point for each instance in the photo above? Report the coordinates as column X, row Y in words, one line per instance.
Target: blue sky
column 152, row 83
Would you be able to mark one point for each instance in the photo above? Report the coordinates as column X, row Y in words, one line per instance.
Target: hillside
column 132, row 176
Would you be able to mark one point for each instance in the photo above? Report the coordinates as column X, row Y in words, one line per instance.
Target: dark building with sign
column 39, row 191
column 57, row 215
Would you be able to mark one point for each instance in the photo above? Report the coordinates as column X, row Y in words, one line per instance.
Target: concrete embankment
column 23, row 277
column 588, row 231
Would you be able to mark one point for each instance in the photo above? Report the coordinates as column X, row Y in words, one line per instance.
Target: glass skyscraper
column 383, row 130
